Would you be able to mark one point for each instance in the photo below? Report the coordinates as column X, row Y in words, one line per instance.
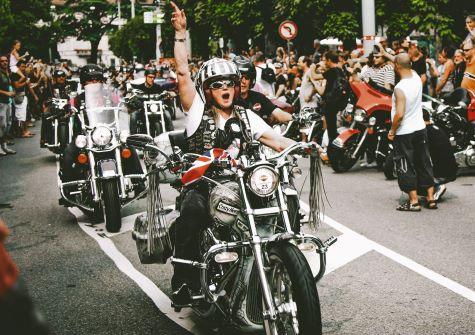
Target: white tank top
column 413, row 119
column 13, row 61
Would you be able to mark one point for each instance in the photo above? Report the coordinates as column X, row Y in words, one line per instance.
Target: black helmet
column 59, row 73
column 150, row 70
column 245, row 66
column 91, row 72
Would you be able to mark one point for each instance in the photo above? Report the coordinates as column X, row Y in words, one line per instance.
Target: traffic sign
column 288, row 30
column 153, row 17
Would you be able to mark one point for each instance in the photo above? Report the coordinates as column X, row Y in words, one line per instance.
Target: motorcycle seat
column 178, row 139
column 380, row 88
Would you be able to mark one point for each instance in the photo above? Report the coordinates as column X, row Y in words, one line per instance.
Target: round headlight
column 154, row 108
column 101, row 136
column 263, row 181
column 360, row 115
column 80, row 141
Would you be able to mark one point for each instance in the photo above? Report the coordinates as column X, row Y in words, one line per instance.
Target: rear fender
column 344, row 137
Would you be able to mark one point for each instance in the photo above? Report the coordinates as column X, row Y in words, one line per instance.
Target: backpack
column 268, row 74
column 340, row 92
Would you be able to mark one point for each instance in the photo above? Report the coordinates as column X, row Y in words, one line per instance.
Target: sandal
column 408, row 207
column 431, row 204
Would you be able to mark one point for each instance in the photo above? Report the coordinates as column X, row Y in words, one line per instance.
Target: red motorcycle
column 368, row 131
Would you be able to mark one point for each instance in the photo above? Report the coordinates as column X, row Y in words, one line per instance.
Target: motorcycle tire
column 294, row 266
column 111, row 201
column 340, row 158
column 157, row 129
column 63, row 136
column 389, row 167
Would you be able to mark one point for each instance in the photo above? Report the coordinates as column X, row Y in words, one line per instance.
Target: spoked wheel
column 294, row 292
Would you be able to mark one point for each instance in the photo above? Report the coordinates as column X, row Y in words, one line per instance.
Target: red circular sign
column 288, row 30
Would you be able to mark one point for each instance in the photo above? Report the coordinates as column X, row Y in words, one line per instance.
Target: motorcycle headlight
column 372, row 121
column 263, row 181
column 80, row 141
column 360, row 115
column 101, row 136
column 154, row 108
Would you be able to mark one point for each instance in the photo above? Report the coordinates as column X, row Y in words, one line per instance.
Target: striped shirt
column 381, row 76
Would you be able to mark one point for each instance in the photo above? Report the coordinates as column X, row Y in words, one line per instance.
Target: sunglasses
column 151, row 77
column 467, row 50
column 3, row 60
column 222, row 84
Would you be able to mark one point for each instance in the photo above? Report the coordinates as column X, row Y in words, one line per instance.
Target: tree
column 17, row 21
column 88, row 21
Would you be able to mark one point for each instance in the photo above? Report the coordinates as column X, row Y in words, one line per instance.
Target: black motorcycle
column 254, row 275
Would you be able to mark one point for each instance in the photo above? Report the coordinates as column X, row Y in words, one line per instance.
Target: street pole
column 159, row 40
column 369, row 25
column 132, row 9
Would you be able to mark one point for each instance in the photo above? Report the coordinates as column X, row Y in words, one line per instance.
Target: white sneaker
column 2, row 153
column 439, row 192
column 8, row 150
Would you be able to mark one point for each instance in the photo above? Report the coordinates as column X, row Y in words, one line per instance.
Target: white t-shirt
column 265, row 88
column 413, row 119
column 195, row 114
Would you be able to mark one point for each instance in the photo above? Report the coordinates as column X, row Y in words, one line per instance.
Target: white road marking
column 159, row 298
column 410, row 264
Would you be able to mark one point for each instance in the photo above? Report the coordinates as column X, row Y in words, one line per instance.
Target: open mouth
column 225, row 96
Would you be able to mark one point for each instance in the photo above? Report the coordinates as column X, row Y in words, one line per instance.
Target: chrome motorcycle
column 253, row 272
column 62, row 116
column 155, row 108
column 102, row 157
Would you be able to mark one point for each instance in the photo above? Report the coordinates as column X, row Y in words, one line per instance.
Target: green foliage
column 87, row 20
column 342, row 25
column 17, row 21
column 138, row 39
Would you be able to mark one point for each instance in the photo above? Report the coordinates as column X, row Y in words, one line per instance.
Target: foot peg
column 183, row 297
column 330, row 241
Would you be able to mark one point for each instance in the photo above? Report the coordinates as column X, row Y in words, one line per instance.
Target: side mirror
column 139, row 141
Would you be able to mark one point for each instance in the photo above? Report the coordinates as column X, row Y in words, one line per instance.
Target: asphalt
column 80, row 290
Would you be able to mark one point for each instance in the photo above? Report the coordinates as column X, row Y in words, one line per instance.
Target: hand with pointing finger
column 178, row 18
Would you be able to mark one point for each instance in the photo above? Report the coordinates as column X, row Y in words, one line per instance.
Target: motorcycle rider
column 69, row 170
column 254, row 100
column 149, row 87
column 208, row 105
column 57, row 89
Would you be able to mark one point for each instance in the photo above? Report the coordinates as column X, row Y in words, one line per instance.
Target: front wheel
column 157, row 129
column 294, row 291
column 341, row 159
column 111, row 200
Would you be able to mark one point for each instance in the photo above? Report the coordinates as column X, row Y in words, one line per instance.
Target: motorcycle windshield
column 104, row 106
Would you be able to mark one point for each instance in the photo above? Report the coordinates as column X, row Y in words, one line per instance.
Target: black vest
column 208, row 136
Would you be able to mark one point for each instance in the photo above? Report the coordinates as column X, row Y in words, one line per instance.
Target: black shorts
column 413, row 163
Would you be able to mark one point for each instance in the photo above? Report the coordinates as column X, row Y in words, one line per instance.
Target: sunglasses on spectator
column 151, row 76
column 222, row 84
column 4, row 60
column 467, row 50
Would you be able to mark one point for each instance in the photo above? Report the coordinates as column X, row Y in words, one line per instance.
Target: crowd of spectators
column 24, row 82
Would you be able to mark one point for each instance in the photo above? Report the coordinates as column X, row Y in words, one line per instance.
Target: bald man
column 408, row 132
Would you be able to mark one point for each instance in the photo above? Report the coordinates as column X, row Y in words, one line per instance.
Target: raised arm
column 186, row 88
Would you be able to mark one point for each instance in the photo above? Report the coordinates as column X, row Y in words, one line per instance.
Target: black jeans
column 194, row 218
column 413, row 163
column 330, row 112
